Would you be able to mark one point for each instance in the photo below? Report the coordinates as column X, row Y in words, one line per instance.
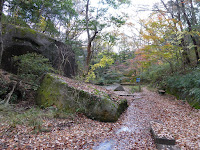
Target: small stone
column 119, row 88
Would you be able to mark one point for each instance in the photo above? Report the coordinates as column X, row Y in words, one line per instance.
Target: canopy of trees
column 170, row 35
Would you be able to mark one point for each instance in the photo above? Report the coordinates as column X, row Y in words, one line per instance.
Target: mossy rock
column 55, row 91
column 20, row 40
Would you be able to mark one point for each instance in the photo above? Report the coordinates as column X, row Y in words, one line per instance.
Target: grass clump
column 136, row 88
column 33, row 117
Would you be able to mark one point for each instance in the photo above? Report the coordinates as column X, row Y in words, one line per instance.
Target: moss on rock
column 55, row 91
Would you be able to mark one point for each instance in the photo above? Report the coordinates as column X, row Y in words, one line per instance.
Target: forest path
column 134, row 127
column 146, row 106
column 130, row 132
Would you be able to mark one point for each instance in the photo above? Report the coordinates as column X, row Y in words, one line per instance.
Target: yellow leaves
column 174, row 20
column 159, row 33
column 91, row 75
column 42, row 24
column 103, row 62
column 166, row 55
column 147, row 37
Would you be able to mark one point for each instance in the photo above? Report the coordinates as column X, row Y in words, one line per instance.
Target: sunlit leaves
column 42, row 24
column 37, row 12
column 160, row 34
column 118, row 21
column 115, row 3
column 106, row 60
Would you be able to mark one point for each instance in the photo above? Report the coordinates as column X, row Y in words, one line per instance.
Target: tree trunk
column 194, row 19
column 89, row 48
column 184, row 53
column 90, row 39
column 88, row 34
column 186, row 59
column 190, row 29
column 1, row 39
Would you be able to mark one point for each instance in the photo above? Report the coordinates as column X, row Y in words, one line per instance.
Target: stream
column 134, row 131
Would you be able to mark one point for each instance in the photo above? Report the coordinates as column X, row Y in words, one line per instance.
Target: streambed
column 134, row 129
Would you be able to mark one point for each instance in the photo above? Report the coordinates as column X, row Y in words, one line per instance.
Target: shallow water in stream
column 134, row 132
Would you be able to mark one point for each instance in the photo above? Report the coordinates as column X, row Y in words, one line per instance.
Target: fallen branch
column 126, row 95
column 8, row 96
column 1, row 102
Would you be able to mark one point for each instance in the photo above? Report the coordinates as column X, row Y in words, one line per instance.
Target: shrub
column 3, row 88
column 6, row 87
column 112, row 77
column 186, row 86
column 32, row 66
column 155, row 74
column 183, row 84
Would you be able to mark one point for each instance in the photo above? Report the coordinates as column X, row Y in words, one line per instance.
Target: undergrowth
column 187, row 86
column 135, row 88
column 184, row 84
column 33, row 117
column 31, row 67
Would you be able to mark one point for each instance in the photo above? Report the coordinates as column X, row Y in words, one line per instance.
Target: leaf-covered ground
column 131, row 131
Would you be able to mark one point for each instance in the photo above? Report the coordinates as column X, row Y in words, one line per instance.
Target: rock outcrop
column 71, row 96
column 18, row 41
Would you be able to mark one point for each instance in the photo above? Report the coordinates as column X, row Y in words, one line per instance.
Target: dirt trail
column 134, row 131
column 130, row 132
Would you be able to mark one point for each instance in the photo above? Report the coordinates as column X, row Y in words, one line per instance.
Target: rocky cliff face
column 18, row 41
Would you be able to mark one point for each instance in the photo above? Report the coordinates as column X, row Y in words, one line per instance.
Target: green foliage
column 109, row 78
column 118, row 21
column 102, row 63
column 183, row 84
column 115, row 3
column 112, row 76
column 40, row 14
column 13, row 20
column 3, row 89
column 186, row 85
column 155, row 74
column 32, row 66
column 136, row 88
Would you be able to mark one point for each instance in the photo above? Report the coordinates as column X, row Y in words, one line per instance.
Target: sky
column 144, row 2
column 139, row 5
column 139, row 9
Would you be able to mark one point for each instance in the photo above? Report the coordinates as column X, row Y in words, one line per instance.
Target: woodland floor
column 131, row 131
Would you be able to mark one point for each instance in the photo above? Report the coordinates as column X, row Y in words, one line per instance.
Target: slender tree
column 90, row 38
column 94, row 23
column 1, row 39
column 177, row 16
column 190, row 28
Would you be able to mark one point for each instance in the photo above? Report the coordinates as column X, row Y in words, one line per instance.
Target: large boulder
column 72, row 96
column 18, row 41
